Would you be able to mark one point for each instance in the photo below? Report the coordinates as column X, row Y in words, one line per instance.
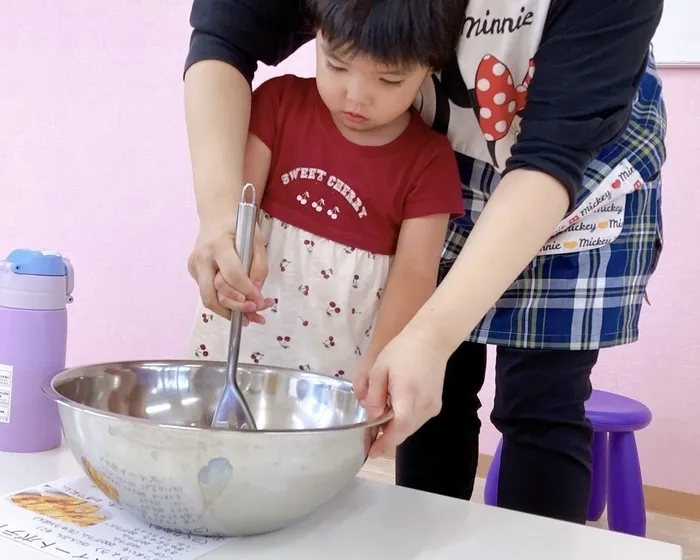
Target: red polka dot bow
column 498, row 97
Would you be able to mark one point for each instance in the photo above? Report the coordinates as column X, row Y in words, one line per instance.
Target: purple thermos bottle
column 35, row 287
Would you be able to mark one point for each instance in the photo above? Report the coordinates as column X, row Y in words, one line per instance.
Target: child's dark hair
column 395, row 32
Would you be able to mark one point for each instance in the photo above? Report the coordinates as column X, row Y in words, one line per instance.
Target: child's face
column 361, row 93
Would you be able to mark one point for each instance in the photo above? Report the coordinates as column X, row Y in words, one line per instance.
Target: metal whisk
column 233, row 412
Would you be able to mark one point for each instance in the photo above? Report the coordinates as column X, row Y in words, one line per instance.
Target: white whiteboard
column 677, row 42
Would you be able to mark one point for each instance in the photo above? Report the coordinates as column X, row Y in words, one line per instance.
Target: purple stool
column 617, row 477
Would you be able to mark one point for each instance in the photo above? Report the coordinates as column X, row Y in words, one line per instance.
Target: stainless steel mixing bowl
column 141, row 432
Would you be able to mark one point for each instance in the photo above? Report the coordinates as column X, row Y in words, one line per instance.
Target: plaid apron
column 588, row 299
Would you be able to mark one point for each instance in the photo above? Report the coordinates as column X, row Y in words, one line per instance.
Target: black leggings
column 539, row 408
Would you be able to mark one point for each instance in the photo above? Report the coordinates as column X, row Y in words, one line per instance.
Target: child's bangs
column 390, row 38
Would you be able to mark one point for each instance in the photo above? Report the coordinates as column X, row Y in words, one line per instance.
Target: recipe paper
column 71, row 519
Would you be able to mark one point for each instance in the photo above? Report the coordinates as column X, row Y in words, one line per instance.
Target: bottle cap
column 39, row 280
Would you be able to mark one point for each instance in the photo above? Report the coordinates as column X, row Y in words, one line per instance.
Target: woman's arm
column 408, row 375
column 217, row 111
column 229, row 38
column 519, row 218
column 412, row 278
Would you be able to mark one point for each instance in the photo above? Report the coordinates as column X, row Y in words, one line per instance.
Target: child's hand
column 223, row 284
column 230, row 299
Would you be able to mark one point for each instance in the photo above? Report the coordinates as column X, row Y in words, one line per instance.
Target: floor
column 660, row 527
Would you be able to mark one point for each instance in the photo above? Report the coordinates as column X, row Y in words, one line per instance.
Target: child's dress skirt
column 327, row 298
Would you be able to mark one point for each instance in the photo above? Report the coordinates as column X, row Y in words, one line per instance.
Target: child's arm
column 412, row 278
column 434, row 196
column 265, row 120
column 256, row 169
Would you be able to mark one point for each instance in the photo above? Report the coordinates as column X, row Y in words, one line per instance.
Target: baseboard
column 672, row 502
column 658, row 500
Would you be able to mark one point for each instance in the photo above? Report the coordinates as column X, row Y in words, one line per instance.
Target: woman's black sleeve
column 588, row 68
column 245, row 32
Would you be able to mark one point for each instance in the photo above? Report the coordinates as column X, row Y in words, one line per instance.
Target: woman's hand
column 407, row 376
column 223, row 284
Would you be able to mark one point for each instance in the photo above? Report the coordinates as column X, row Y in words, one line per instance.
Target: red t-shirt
column 356, row 195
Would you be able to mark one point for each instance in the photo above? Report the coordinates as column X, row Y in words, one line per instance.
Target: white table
column 374, row 521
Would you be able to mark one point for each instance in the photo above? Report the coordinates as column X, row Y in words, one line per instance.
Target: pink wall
column 94, row 162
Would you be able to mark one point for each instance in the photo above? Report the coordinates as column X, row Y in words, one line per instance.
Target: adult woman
column 556, row 103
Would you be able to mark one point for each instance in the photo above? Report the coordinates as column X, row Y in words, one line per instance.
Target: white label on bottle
column 5, row 393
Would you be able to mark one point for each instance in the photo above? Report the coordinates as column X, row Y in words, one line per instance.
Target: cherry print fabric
column 327, row 296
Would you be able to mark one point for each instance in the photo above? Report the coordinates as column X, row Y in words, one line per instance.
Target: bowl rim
column 48, row 388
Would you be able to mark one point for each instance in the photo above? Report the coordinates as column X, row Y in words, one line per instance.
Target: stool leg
column 626, row 508
column 599, row 484
column 491, row 486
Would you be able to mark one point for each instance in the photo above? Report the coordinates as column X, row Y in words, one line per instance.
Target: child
column 355, row 191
